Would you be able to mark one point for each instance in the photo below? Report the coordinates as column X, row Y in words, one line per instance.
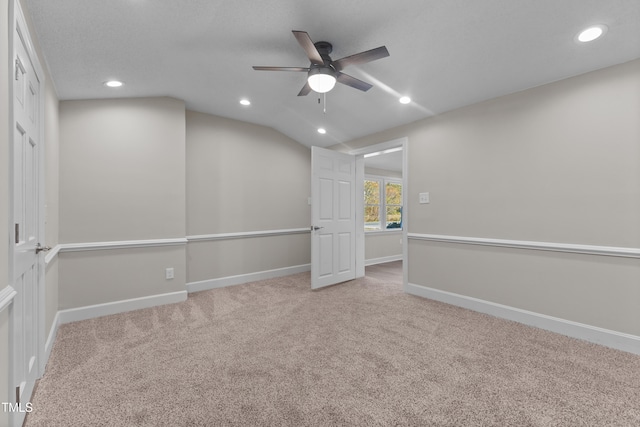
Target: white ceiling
column 444, row 54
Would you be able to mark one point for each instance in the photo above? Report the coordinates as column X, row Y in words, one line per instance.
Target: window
column 382, row 203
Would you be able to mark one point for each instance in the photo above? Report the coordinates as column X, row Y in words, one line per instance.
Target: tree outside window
column 393, row 201
column 382, row 204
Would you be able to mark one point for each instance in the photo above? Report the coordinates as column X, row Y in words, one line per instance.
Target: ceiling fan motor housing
column 324, row 47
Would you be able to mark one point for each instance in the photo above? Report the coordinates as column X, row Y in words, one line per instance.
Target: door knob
column 315, row 228
column 40, row 248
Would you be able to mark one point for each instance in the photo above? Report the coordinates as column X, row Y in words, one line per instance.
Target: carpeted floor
column 275, row 353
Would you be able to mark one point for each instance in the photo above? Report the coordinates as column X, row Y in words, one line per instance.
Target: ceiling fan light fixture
column 321, row 79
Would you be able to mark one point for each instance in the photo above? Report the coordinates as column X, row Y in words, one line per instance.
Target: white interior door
column 27, row 268
column 333, row 217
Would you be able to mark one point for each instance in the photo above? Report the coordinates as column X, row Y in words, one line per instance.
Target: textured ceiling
column 444, row 54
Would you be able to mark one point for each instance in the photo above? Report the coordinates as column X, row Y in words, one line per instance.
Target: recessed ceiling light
column 405, row 100
column 245, row 102
column 322, row 131
column 592, row 33
column 113, row 83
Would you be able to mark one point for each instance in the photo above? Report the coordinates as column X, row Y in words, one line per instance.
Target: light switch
column 424, row 198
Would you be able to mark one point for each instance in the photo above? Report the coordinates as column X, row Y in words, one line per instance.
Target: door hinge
column 17, row 233
column 18, row 395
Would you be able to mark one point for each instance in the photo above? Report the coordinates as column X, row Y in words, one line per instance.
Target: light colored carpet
column 275, row 353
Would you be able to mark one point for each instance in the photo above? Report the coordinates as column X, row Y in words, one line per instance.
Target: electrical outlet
column 424, row 198
column 169, row 273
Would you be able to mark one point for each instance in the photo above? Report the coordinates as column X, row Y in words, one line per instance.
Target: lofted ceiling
column 443, row 54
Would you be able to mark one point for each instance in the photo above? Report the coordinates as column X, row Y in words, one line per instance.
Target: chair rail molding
column 52, row 254
column 121, row 244
column 124, row 244
column 6, row 297
column 248, row 234
column 524, row 244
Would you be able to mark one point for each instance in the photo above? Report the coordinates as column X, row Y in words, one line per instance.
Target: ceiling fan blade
column 361, row 58
column 260, row 68
column 305, row 90
column 348, row 80
column 308, row 46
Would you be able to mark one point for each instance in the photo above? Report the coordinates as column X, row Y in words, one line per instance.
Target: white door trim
column 360, row 235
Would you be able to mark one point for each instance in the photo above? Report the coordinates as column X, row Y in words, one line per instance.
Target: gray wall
column 558, row 163
column 122, row 169
column 144, row 169
column 381, row 245
column 122, row 178
column 241, row 178
column 382, row 172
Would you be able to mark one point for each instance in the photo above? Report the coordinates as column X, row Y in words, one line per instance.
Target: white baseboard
column 382, row 260
column 48, row 346
column 222, row 282
column 594, row 334
column 99, row 310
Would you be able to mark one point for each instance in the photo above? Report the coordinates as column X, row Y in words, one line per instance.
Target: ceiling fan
column 323, row 71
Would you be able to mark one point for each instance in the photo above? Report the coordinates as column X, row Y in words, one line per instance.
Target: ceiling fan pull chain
column 324, row 110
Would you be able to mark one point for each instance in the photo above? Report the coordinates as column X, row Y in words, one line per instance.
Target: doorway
column 384, row 166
